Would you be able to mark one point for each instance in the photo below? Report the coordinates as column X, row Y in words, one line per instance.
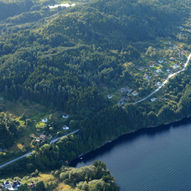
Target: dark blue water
column 151, row 160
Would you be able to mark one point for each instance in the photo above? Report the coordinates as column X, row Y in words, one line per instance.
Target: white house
column 161, row 61
column 158, row 83
column 175, row 67
column 158, row 71
column 153, row 99
column 135, row 93
column 109, row 96
column 168, row 71
column 65, row 127
column 45, row 120
column 65, row 116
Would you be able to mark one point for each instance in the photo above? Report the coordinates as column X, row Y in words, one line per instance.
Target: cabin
column 42, row 137
column 65, row 127
column 175, row 67
column 168, row 71
column 65, row 116
column 158, row 84
column 172, row 59
column 158, row 71
column 45, row 120
column 141, row 69
column 37, row 140
column 109, row 96
column 124, row 90
column 135, row 93
column 160, row 61
column 10, row 186
column 153, row 99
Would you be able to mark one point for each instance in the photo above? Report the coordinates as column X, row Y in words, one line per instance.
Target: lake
column 157, row 159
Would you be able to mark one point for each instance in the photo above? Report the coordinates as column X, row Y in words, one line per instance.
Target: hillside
column 90, row 42
column 91, row 62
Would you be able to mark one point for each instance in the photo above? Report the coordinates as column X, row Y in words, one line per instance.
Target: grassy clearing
column 63, row 186
column 23, row 111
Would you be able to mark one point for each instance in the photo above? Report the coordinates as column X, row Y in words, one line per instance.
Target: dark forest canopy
column 66, row 60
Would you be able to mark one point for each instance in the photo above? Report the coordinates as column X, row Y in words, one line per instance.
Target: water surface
column 151, row 160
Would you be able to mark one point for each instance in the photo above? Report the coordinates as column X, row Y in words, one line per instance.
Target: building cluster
column 7, row 185
column 127, row 94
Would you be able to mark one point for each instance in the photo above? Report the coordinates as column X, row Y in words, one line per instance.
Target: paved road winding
column 30, row 153
column 166, row 81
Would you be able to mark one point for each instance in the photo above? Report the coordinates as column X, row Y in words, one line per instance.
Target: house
column 10, row 186
column 158, row 71
column 172, row 58
column 37, row 140
column 158, row 84
column 65, row 127
column 153, row 99
column 161, row 61
column 65, row 116
column 109, row 96
column 124, row 90
column 6, row 185
column 42, row 137
column 168, row 71
column 45, row 120
column 175, row 67
column 15, row 185
column 135, row 93
column 141, row 69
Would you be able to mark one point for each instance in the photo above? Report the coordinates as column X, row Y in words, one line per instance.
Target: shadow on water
column 132, row 137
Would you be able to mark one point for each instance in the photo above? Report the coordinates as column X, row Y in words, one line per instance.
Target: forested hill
column 113, row 24
column 69, row 58
column 93, row 61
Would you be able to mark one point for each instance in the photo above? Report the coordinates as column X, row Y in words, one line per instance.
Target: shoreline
column 137, row 131
column 131, row 135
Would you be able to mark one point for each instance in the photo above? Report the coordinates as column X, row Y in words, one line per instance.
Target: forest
column 72, row 59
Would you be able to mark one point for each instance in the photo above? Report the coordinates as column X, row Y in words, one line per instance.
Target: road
column 30, row 153
column 166, row 81
column 141, row 100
